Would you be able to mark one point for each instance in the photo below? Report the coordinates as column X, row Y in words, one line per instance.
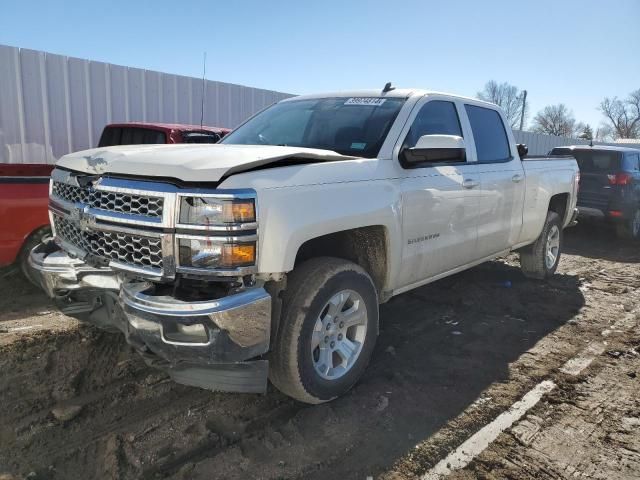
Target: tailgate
column 596, row 169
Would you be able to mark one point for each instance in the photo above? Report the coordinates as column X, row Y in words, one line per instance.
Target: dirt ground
column 451, row 356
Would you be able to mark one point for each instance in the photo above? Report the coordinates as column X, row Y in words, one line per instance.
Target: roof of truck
column 395, row 93
column 171, row 126
column 599, row 147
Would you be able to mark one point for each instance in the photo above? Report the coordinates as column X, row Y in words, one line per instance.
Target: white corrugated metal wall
column 540, row 144
column 51, row 105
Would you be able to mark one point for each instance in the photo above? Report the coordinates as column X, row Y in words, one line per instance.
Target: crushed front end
column 172, row 268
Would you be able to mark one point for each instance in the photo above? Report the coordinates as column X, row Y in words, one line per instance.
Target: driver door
column 439, row 199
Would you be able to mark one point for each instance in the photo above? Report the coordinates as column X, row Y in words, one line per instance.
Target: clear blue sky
column 569, row 51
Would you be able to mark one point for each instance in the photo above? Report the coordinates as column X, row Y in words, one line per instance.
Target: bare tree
column 604, row 133
column 623, row 115
column 509, row 97
column 556, row 120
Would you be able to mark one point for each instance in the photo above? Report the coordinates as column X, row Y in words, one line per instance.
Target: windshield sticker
column 358, row 146
column 371, row 101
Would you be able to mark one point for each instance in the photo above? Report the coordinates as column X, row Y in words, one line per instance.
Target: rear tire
column 540, row 260
column 630, row 229
column 327, row 330
column 35, row 239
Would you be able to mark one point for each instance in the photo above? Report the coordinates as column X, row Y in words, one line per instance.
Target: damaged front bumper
column 213, row 343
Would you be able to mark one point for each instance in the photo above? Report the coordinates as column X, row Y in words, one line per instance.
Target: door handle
column 469, row 183
column 517, row 178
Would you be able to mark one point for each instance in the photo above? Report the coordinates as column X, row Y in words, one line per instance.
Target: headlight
column 216, row 211
column 207, row 253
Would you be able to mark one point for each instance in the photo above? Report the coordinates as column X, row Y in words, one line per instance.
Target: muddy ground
column 78, row 403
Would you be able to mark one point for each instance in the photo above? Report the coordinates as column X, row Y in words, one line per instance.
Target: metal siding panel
column 11, row 111
column 235, row 97
column 224, row 105
column 118, row 97
column 211, row 109
column 260, row 101
column 168, row 95
column 59, row 121
column 184, row 110
column 247, row 103
column 80, row 137
column 51, row 104
column 135, row 84
column 35, row 148
column 196, row 100
column 98, row 99
column 152, row 95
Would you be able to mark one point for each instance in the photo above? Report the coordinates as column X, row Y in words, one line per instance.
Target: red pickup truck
column 24, row 195
column 24, row 189
column 135, row 133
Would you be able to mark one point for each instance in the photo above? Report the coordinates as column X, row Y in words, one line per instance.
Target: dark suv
column 609, row 185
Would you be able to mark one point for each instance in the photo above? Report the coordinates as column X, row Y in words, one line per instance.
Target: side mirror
column 523, row 150
column 436, row 148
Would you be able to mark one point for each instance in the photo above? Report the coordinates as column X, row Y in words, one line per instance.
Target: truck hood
column 189, row 163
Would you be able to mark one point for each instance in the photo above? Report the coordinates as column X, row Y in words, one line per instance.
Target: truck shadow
column 439, row 348
column 593, row 240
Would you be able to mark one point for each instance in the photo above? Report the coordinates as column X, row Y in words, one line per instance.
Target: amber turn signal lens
column 239, row 212
column 238, row 255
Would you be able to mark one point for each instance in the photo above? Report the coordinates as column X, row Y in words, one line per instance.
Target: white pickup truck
column 267, row 255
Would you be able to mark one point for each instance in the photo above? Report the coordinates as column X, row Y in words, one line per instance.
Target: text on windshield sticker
column 372, row 101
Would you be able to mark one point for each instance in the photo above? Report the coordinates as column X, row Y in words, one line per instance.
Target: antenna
column 388, row 88
column 204, row 72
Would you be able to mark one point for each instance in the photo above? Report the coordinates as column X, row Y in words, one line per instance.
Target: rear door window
column 492, row 144
column 110, row 136
column 154, row 136
column 593, row 161
column 632, row 162
column 200, row 137
column 131, row 136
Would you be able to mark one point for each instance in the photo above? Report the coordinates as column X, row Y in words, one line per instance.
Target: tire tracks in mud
column 211, row 448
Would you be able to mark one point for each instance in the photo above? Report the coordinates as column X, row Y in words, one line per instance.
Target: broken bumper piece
column 212, row 344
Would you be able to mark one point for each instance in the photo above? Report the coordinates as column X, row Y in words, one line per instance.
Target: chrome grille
column 109, row 201
column 121, row 247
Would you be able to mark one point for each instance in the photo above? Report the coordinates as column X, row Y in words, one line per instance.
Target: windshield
column 349, row 126
column 592, row 161
column 130, row 136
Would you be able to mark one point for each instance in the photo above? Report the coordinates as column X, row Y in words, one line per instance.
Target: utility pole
column 524, row 106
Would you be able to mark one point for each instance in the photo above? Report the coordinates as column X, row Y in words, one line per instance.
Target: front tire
column 540, row 260
column 36, row 238
column 327, row 331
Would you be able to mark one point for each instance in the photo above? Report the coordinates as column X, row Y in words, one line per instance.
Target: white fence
column 51, row 105
column 540, row 144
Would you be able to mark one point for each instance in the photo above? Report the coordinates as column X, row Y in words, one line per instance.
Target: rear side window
column 632, row 162
column 592, row 161
column 130, row 136
column 110, row 136
column 436, row 117
column 200, row 137
column 489, row 134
